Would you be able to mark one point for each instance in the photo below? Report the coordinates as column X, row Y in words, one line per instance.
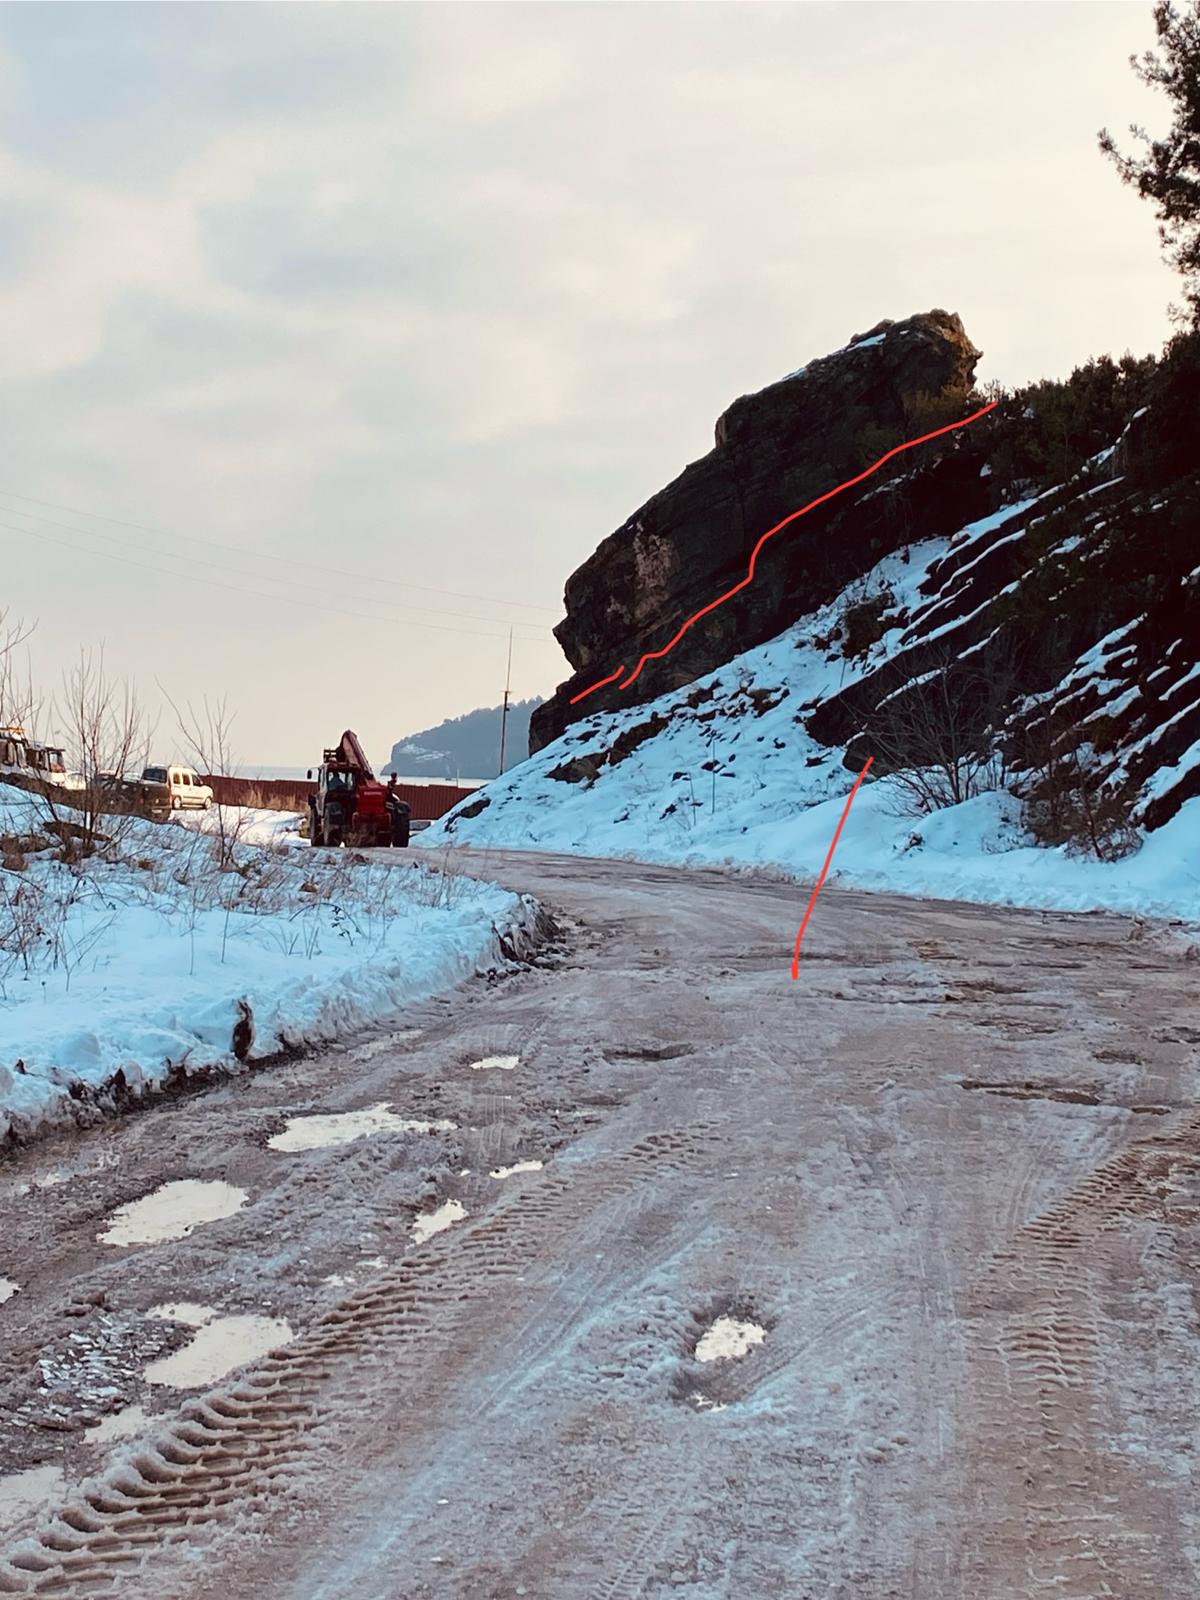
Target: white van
column 184, row 784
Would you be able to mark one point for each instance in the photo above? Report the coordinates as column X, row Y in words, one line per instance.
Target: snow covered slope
column 728, row 769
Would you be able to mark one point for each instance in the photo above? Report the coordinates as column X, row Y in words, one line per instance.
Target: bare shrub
column 106, row 739
column 1065, row 800
column 862, row 621
column 924, row 412
column 17, row 700
column 937, row 736
column 439, row 879
column 206, row 733
column 22, row 925
column 50, row 926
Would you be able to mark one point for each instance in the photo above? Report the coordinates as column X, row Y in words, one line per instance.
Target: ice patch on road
column 172, row 1211
column 505, row 1063
column 218, row 1347
column 341, row 1127
column 49, row 1180
column 431, row 1222
column 121, row 1424
column 376, row 1047
column 702, row 1402
column 22, row 1492
column 7, row 1289
column 518, row 1166
column 729, row 1340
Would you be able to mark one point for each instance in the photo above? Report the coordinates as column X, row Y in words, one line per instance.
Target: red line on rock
column 652, row 655
column 812, row 899
column 599, row 685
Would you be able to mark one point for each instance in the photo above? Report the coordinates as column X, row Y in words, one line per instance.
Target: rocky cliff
column 774, row 451
column 1006, row 620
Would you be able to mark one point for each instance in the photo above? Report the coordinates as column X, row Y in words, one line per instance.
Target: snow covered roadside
column 180, row 956
column 722, row 772
column 975, row 851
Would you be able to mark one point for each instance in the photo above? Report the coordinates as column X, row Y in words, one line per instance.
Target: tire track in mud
column 635, row 1556
column 245, row 1441
column 1038, row 1392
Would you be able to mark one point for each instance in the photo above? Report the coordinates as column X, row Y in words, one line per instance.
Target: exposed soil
column 784, row 1311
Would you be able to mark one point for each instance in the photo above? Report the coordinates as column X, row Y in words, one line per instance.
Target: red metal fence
column 426, row 802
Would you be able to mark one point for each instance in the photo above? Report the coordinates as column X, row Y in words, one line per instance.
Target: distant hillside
column 466, row 746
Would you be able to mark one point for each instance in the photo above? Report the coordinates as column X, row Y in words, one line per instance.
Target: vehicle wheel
column 207, row 805
column 176, row 803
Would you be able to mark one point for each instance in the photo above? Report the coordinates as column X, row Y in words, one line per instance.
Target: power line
column 397, row 605
column 312, row 566
column 289, row 599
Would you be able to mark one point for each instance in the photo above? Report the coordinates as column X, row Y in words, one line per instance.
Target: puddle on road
column 121, row 1424
column 518, row 1166
column 172, row 1211
column 32, row 1490
column 504, row 1063
column 431, row 1222
column 729, row 1340
column 218, row 1347
column 341, row 1127
column 7, row 1289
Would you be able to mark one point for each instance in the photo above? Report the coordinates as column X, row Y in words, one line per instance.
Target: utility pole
column 504, row 710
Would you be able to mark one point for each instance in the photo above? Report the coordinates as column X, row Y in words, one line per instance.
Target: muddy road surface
column 644, row 1271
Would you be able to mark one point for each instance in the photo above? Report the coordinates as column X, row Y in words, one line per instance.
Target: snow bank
column 249, row 824
column 734, row 778
column 123, row 974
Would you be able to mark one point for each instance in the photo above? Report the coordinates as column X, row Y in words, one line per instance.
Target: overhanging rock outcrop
column 775, row 450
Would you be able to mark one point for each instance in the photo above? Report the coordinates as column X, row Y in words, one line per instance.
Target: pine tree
column 1168, row 170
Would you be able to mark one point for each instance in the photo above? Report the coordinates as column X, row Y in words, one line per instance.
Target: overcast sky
column 330, row 307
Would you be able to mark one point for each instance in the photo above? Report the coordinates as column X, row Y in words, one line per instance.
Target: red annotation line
column 812, row 899
column 652, row 655
column 601, row 684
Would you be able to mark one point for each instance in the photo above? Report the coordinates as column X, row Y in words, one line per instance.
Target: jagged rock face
column 1082, row 615
column 775, row 451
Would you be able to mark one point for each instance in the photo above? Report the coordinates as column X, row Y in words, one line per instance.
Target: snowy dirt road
column 952, row 1174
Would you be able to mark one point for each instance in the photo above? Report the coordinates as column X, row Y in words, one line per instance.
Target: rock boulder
column 775, row 451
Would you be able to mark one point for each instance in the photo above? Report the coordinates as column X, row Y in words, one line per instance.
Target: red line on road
column 652, row 655
column 812, row 899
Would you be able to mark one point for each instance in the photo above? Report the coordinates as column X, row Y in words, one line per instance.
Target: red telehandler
column 351, row 806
